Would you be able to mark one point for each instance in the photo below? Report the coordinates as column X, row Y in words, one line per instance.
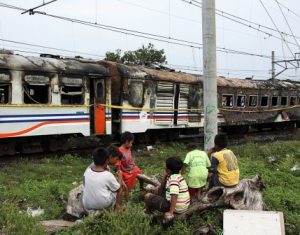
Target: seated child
column 100, row 186
column 196, row 163
column 174, row 195
column 224, row 165
column 126, row 164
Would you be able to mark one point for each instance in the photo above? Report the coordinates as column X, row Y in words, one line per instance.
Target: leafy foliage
column 143, row 56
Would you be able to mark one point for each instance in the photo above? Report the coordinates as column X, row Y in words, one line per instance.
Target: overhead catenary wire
column 249, row 24
column 136, row 33
column 286, row 21
column 50, row 48
column 276, row 27
column 289, row 10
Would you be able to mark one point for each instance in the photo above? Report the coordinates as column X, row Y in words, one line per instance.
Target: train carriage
column 42, row 97
column 45, row 100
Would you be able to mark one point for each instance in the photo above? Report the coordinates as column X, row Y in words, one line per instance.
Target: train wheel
column 7, row 149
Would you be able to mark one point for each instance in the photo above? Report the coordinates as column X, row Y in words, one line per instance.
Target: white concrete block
column 244, row 222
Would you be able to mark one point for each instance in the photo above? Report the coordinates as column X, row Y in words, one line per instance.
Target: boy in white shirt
column 100, row 186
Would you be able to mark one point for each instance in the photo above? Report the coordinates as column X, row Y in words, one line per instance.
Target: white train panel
column 34, row 121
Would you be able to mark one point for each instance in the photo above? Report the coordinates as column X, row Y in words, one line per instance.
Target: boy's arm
column 214, row 164
column 183, row 169
column 173, row 205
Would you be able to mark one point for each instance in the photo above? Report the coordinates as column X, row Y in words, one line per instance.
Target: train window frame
column 284, row 98
column 226, row 96
column 237, row 101
column 277, row 99
column 32, row 92
column 5, row 93
column 68, row 97
column 71, row 89
column 261, row 101
column 136, row 92
column 250, row 99
column 294, row 97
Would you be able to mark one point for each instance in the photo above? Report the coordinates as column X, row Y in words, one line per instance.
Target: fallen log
column 53, row 226
column 245, row 196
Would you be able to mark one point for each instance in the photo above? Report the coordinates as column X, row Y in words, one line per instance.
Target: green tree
column 143, row 56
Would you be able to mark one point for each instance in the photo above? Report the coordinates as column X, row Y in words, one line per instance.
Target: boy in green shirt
column 195, row 164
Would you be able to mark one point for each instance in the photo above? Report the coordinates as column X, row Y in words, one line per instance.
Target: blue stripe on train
column 45, row 120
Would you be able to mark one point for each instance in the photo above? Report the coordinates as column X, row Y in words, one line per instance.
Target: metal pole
column 209, row 70
column 273, row 64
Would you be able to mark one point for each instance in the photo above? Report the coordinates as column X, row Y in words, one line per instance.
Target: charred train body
column 44, row 100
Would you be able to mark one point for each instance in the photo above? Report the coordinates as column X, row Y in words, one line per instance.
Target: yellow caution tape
column 144, row 109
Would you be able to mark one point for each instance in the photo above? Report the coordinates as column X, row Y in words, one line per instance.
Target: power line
column 287, row 23
column 276, row 27
column 158, row 11
column 136, row 33
column 50, row 48
column 289, row 10
column 239, row 20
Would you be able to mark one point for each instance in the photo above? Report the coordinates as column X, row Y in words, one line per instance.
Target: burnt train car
column 259, row 103
column 154, row 103
column 44, row 101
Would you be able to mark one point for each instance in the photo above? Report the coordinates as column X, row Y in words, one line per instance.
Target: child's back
column 197, row 162
column 176, row 185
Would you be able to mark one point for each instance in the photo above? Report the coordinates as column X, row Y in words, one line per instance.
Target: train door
column 99, row 109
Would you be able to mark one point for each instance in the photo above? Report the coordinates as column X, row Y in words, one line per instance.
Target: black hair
column 100, row 156
column 174, row 164
column 221, row 141
column 127, row 136
column 114, row 151
column 192, row 146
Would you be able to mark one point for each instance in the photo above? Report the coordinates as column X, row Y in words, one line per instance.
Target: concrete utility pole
column 273, row 65
column 210, row 75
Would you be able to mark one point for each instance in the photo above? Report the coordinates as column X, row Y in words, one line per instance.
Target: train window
column 195, row 100
column 227, row 100
column 4, row 93
column 136, row 93
column 293, row 100
column 71, row 95
column 241, row 101
column 274, row 100
column 264, row 101
column 283, row 101
column 36, row 94
column 252, row 100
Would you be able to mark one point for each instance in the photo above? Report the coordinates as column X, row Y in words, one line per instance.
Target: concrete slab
column 243, row 222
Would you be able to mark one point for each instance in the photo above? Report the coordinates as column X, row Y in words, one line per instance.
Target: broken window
column 253, row 101
column 36, row 89
column 195, row 98
column 283, row 101
column 71, row 95
column 264, row 101
column 72, row 90
column 293, row 100
column 241, row 101
column 136, row 93
column 274, row 100
column 227, row 100
column 4, row 93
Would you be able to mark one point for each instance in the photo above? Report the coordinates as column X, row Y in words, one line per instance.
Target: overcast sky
column 175, row 19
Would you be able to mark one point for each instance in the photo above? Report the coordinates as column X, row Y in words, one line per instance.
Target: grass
column 46, row 184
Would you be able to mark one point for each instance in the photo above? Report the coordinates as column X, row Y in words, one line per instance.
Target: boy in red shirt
column 126, row 164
